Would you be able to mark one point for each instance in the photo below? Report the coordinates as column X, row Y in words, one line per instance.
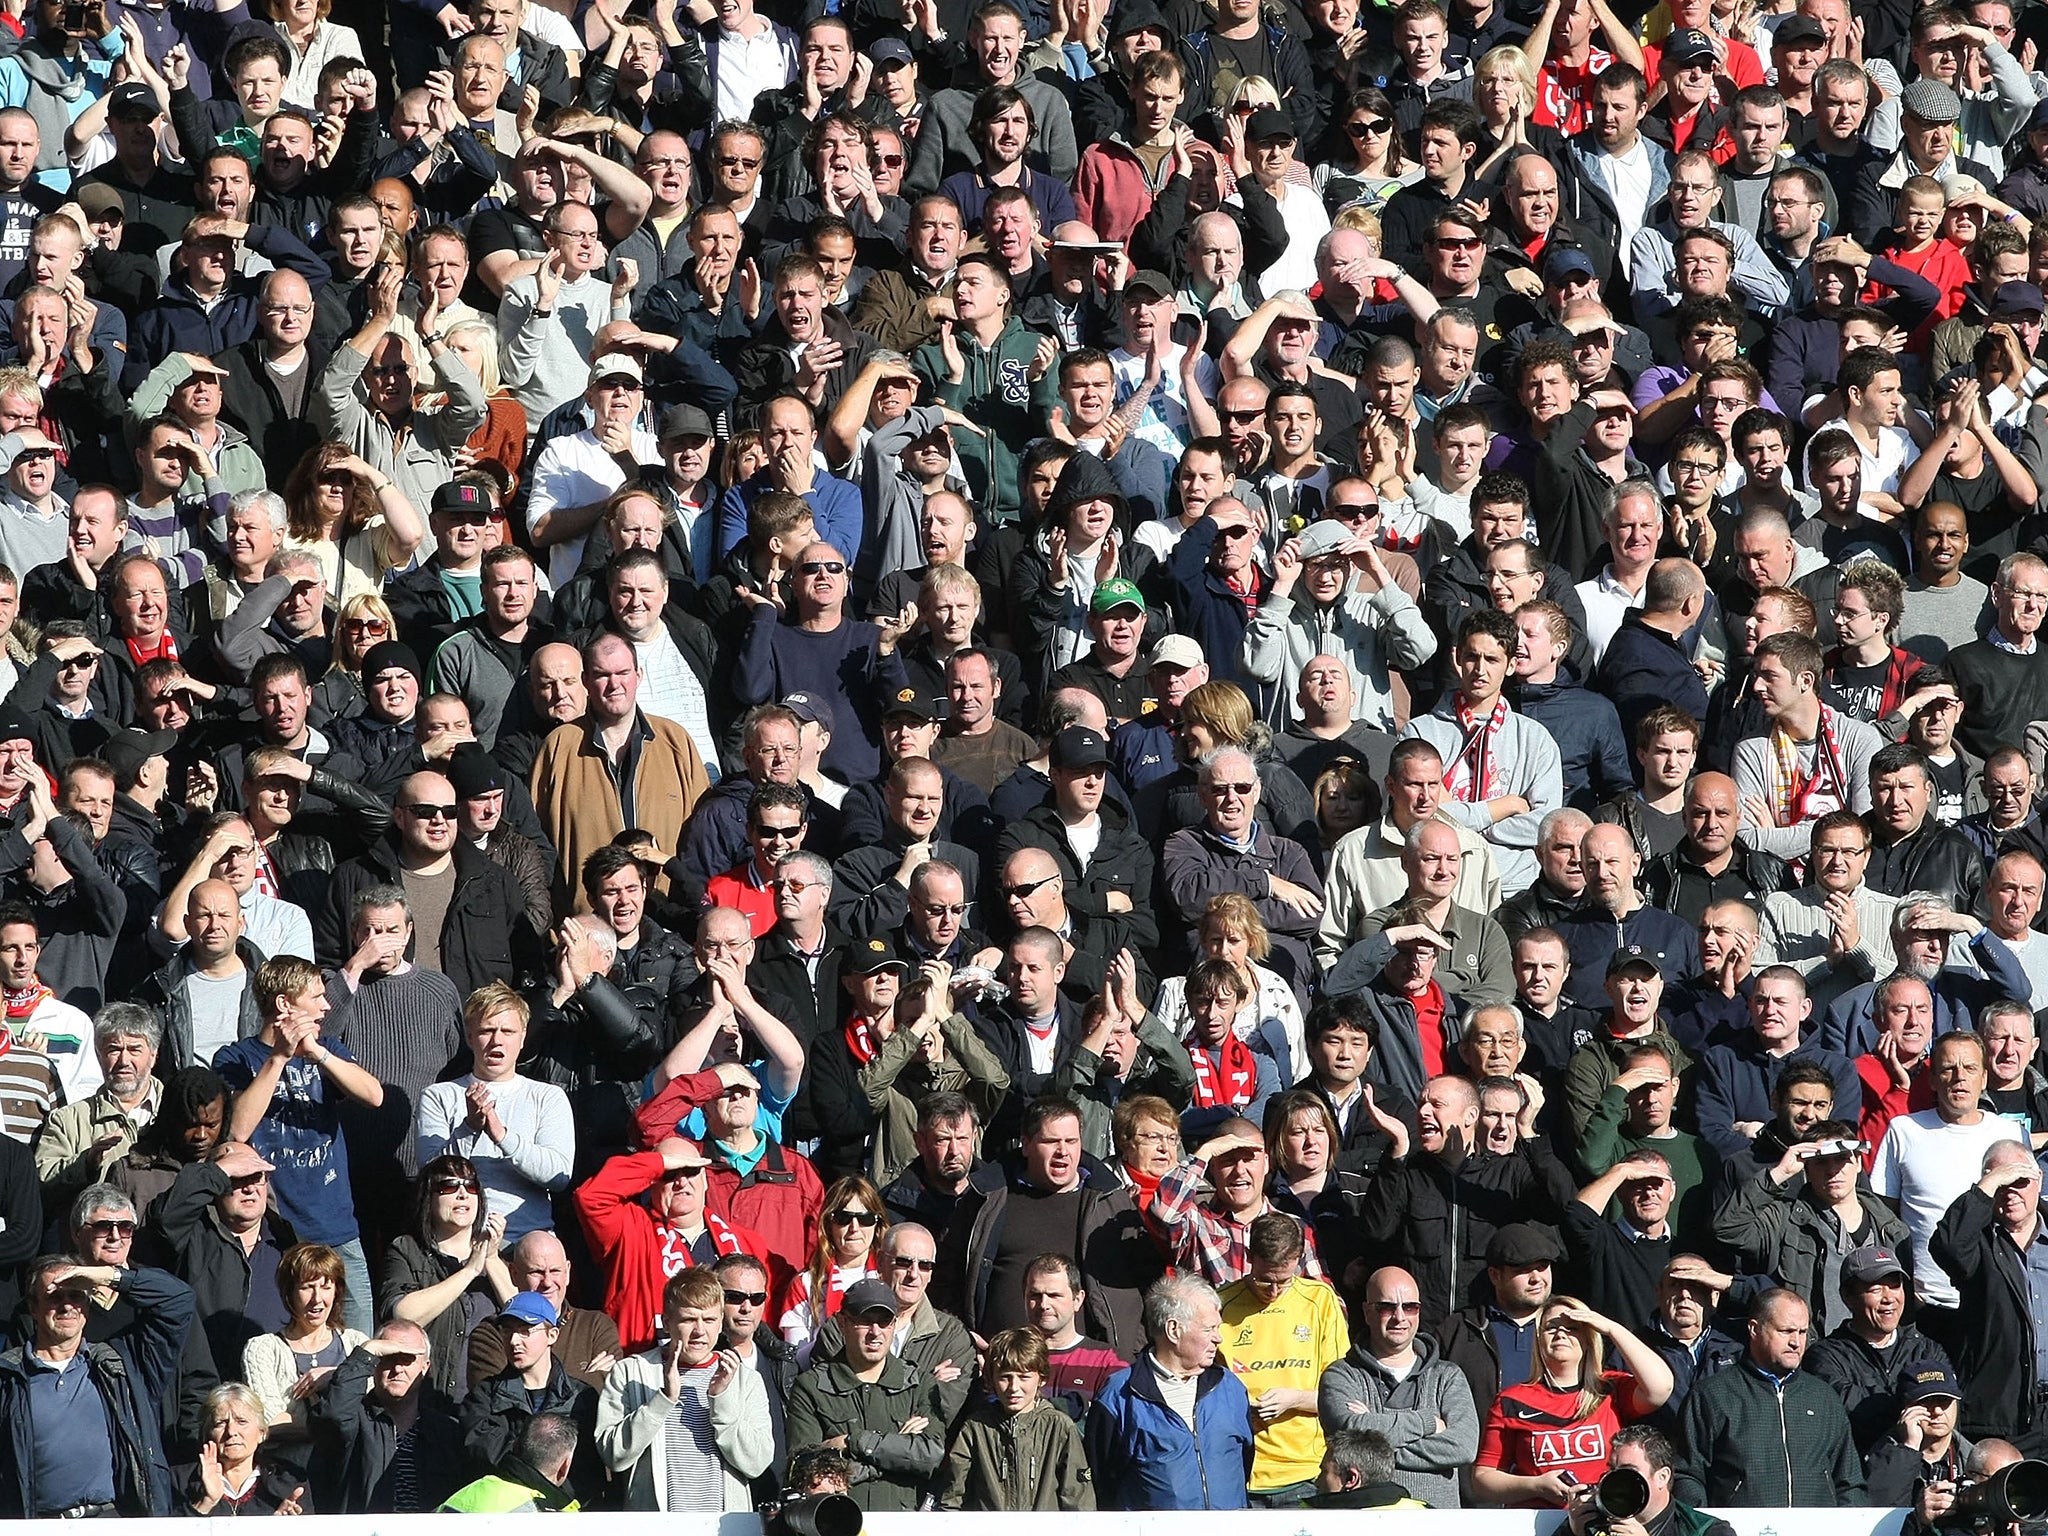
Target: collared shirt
column 67, row 1416
column 2037, row 1297
column 625, row 768
column 1514, row 1342
column 1607, row 603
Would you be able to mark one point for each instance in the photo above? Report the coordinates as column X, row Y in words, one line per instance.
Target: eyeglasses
column 1023, row 892
column 942, row 909
column 746, row 1298
column 1691, row 467
column 296, row 311
column 427, row 812
column 1157, row 1138
column 111, row 1227
column 451, row 1184
column 1368, row 127
column 922, row 1266
column 823, row 567
column 1837, row 851
column 854, row 1219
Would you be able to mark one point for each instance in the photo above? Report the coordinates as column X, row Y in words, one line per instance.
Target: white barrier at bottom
column 1306, row 1522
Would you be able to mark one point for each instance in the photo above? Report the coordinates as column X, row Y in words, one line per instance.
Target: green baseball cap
column 1117, row 592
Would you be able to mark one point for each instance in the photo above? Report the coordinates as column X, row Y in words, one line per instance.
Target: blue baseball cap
column 530, row 1307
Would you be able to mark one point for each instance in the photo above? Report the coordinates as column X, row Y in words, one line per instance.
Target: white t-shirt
column 1629, row 176
column 216, row 1012
column 1925, row 1163
column 1896, row 450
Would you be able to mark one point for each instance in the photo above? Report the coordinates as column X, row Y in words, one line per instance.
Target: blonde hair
column 1234, row 913
column 491, row 999
column 364, row 605
column 1508, row 60
column 487, row 374
column 1361, row 218
column 1248, row 85
column 1592, row 1358
column 1220, row 708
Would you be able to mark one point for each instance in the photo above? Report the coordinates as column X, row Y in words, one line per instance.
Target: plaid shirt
column 1201, row 1240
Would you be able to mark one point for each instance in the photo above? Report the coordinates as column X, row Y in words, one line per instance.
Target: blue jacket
column 1212, row 614
column 835, row 510
column 1144, row 1455
column 1590, row 747
column 134, row 1372
column 178, row 322
column 1735, row 1084
column 1850, row 1027
column 1643, row 668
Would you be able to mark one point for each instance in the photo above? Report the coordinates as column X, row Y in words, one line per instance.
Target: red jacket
column 638, row 1253
column 781, row 1197
column 1112, row 193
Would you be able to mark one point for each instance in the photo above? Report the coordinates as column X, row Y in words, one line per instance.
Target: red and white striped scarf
column 1473, row 776
column 1239, row 1079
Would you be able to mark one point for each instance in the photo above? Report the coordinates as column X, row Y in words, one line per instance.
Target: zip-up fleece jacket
column 1751, row 1441
column 1113, row 191
column 1145, row 1456
column 1030, row 1460
column 1406, row 1412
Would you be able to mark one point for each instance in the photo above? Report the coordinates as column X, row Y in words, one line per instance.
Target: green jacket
column 997, row 393
column 890, row 1466
column 1748, row 1441
column 1033, row 1460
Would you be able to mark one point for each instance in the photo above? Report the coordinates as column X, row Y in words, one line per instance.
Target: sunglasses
column 1397, row 1308
column 941, row 909
column 111, row 1228
column 891, row 161
column 1239, row 531
column 784, row 833
column 823, row 567
column 1354, row 511
column 366, row 626
column 1020, row 892
column 739, row 162
column 454, row 1186
column 1467, row 243
column 1244, row 416
column 854, row 1218
column 1240, row 790
column 427, row 812
column 1368, row 127
column 922, row 1266
column 746, row 1298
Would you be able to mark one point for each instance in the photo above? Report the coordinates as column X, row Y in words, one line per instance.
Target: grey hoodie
column 1408, row 1412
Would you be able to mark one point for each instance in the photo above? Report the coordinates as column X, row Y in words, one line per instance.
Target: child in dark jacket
column 1017, row 1451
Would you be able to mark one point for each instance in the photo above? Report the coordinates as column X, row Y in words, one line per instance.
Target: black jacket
column 1935, row 858
column 1867, row 1379
column 251, row 401
column 1676, row 884
column 498, row 1408
column 485, row 927
column 356, row 1439
column 1123, row 865
column 211, row 1260
column 1995, row 1347
column 164, row 990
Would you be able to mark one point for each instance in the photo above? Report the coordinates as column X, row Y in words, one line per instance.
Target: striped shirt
column 28, row 1092
column 696, row 1475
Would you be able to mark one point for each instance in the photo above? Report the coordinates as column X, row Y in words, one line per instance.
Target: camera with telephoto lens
column 2013, row 1495
column 1621, row 1494
column 812, row 1514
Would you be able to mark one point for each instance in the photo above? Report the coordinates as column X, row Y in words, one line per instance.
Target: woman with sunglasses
column 844, row 1255
column 446, row 1275
column 233, row 1476
column 289, row 1368
column 374, row 687
column 1363, row 162
column 352, row 518
column 1569, row 1400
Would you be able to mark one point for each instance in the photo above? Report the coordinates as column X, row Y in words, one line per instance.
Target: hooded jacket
column 1049, row 623
column 1408, row 1412
column 632, row 1417
column 996, row 391
column 1375, row 633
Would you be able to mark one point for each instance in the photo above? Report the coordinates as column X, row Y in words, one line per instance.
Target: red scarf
column 1240, row 1078
column 1429, row 1025
column 165, row 647
column 1473, row 776
column 861, row 1040
column 23, row 1004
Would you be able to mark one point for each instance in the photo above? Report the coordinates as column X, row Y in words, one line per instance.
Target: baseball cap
column 2038, row 118
column 1522, row 1244
column 1926, row 1382
column 913, row 701
column 531, row 1307
column 1563, row 261
column 126, row 751
column 2016, row 299
column 1862, row 1266
column 1078, row 746
column 1798, row 28
column 870, row 1296
column 871, row 956
column 685, row 421
column 1631, row 957
column 1688, row 45
column 133, row 102
column 1268, row 123
column 99, row 201
column 1117, row 592
column 1175, row 651
column 891, row 52
column 1323, row 538
column 1932, row 101
column 804, row 707
column 614, row 364
column 463, row 501
column 1148, row 278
